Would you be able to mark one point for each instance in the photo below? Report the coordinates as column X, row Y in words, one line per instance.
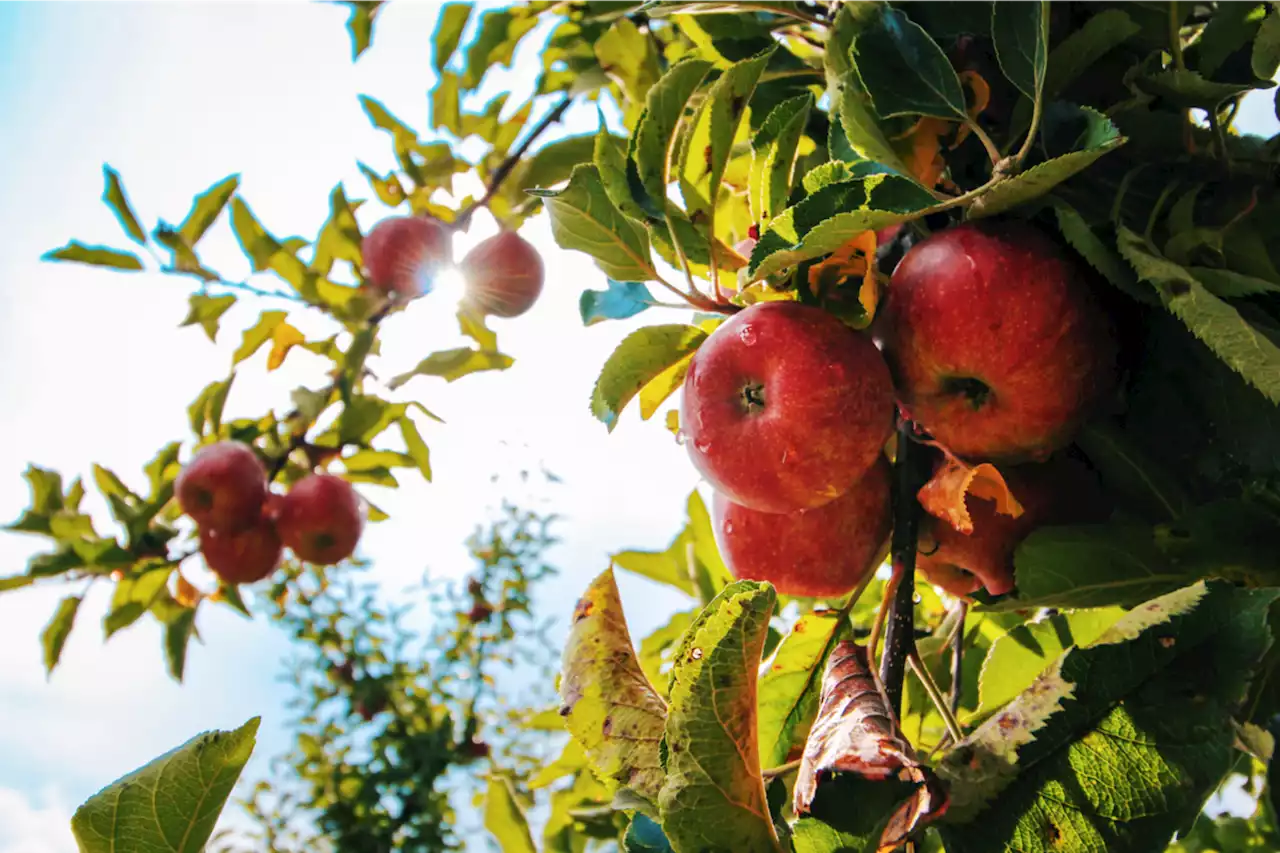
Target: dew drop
column 747, row 335
column 680, row 437
column 728, row 528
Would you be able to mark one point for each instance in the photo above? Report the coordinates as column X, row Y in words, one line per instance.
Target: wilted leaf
column 454, row 364
column 170, row 804
column 54, row 636
column 953, row 481
column 206, row 208
column 584, row 219
column 114, row 195
column 608, row 704
column 98, row 256
column 791, row 686
column 504, row 819
column 452, row 21
column 713, row 795
column 641, row 357
column 623, row 299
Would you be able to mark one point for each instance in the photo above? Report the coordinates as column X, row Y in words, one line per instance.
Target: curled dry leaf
column 944, row 495
column 856, row 733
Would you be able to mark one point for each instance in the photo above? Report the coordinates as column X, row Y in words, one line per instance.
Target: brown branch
column 957, row 658
column 900, row 640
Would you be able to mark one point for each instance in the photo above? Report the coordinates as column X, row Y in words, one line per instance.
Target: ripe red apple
column 242, row 556
column 403, row 254
column 822, row 552
column 1061, row 491
column 503, row 275
column 785, row 407
column 321, row 519
column 223, row 487
column 996, row 342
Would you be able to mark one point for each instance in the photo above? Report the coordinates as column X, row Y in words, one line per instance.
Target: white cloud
column 39, row 824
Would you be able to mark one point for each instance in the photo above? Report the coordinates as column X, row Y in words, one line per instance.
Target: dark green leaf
column 206, row 208
column 360, row 27
column 1130, row 474
column 1098, row 254
column 584, row 219
column 54, row 636
column 1232, row 26
column 554, row 162
column 903, row 70
column 623, row 299
column 454, row 364
column 206, row 310
column 854, row 124
column 651, row 146
column 114, row 196
column 610, row 159
column 1227, row 284
column 1188, row 89
column 641, row 357
column 98, row 256
column 177, row 634
column 1266, row 48
column 1083, row 47
column 170, row 804
column 773, row 156
column 644, row 835
column 449, row 27
column 1020, row 32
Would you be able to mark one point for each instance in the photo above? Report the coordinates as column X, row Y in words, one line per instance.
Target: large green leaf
column 691, row 563
column 1266, row 48
column 903, row 70
column 1117, row 744
column 98, row 256
column 713, row 795
column 1020, row 32
column 454, row 364
column 449, row 26
column 1099, row 255
column 584, row 219
column 853, row 119
column 609, row 155
column 1188, row 89
column 170, row 804
column 607, row 703
column 773, row 156
column 652, row 142
column 792, row 685
column 1130, row 474
column 206, row 208
column 1232, row 338
column 642, row 356
column 114, row 196
column 54, row 636
column 504, row 819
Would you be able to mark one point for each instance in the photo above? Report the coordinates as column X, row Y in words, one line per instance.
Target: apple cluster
column 404, row 254
column 990, row 339
column 244, row 526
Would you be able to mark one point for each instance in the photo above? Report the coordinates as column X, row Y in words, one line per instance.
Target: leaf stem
column 935, row 695
column 504, row 168
column 1032, row 130
column 1175, row 37
column 781, row 769
column 992, row 151
column 957, row 658
column 693, row 291
column 900, row 632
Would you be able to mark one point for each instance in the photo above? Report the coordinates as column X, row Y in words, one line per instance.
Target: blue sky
column 94, row 369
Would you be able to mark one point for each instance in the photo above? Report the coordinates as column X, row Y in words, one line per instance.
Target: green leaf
column 1266, row 48
column 713, row 796
column 171, row 803
column 1232, row 26
column 360, row 25
column 416, row 447
column 1021, row 35
column 829, row 218
column 1099, row 137
column 1083, row 47
column 339, row 238
column 773, row 156
column 1227, row 284
column 133, row 596
column 257, row 335
column 790, row 688
column 1098, row 254
column 114, row 196
column 54, row 636
column 454, row 364
column 504, row 819
column 177, row 634
column 623, row 299
column 610, row 159
column 1014, row 660
column 1116, row 745
column 904, row 71
column 445, row 103
column 657, row 648
column 1130, row 474
column 584, row 219
column 98, row 256
column 206, row 310
column 206, row 208
column 640, row 358
column 554, row 162
column 630, row 58
column 609, row 706
column 1187, row 89
column 495, row 44
column 1233, row 339
column 449, row 27
column 45, row 486
column 691, row 563
column 206, row 410
column 16, row 582
column 652, row 143
column 388, row 189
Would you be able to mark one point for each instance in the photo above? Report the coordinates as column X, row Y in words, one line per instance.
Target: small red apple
column 822, row 552
column 321, row 519
column 243, row 556
column 785, row 407
column 997, row 344
column 223, row 487
column 1061, row 491
column 503, row 275
column 403, row 254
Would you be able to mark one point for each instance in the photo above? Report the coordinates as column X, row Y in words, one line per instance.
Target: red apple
column 997, row 344
column 403, row 254
column 785, row 407
column 822, row 552
column 503, row 275
column 223, row 487
column 321, row 519
column 1061, row 491
column 243, row 556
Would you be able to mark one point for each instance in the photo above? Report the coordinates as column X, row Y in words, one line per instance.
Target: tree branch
column 957, row 658
column 505, row 167
column 900, row 639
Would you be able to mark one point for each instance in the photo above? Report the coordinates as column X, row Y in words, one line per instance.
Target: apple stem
column 900, row 641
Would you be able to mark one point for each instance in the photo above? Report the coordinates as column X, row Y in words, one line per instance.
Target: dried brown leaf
column 944, row 495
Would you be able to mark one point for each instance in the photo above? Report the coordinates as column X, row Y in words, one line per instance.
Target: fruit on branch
column 997, row 344
column 223, row 487
column 785, row 407
column 403, row 254
column 321, row 519
column 242, row 556
column 503, row 276
column 1060, row 491
column 822, row 552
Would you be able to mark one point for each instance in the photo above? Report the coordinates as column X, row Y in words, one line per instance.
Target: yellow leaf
column 284, row 338
column 662, row 386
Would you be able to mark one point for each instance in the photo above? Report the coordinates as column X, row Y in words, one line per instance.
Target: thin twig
column 900, row 637
column 504, row 168
column 992, row 151
column 957, row 658
column 935, row 695
column 781, row 769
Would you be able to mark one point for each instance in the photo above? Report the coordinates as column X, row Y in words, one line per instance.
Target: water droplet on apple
column 728, row 528
column 747, row 335
column 680, row 437
column 702, row 445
